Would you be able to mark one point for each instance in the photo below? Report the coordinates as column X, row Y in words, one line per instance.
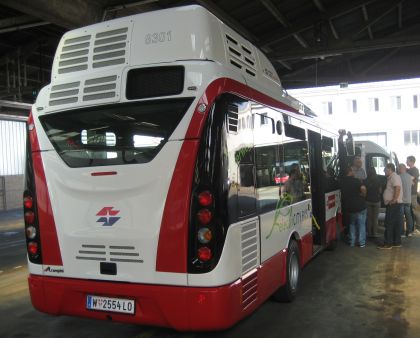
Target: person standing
column 358, row 170
column 393, row 216
column 373, row 201
column 406, row 180
column 353, row 194
column 413, row 171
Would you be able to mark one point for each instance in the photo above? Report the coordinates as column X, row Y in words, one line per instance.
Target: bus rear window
column 112, row 135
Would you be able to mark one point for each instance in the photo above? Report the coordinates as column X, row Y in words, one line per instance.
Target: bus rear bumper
column 181, row 308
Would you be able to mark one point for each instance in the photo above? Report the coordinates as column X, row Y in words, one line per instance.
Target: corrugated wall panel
column 12, row 147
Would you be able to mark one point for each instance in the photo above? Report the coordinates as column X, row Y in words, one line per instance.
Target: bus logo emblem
column 108, row 216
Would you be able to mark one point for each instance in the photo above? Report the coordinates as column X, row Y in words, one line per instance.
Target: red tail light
column 28, row 203
column 29, row 217
column 205, row 198
column 204, row 216
column 33, row 248
column 204, row 254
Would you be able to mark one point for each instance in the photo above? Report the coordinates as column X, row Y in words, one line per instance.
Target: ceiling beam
column 400, row 16
column 381, row 60
column 333, row 30
column 366, row 17
column 285, row 64
column 68, row 14
column 319, row 5
column 379, row 17
column 334, row 12
column 17, row 20
column 347, row 47
column 283, row 20
column 21, row 27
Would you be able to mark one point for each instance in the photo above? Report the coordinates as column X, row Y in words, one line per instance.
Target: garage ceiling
column 310, row 42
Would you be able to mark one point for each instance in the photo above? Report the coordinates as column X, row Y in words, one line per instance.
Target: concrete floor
column 351, row 292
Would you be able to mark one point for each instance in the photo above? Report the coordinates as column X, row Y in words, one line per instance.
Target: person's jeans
column 357, row 219
column 415, row 209
column 408, row 218
column 393, row 224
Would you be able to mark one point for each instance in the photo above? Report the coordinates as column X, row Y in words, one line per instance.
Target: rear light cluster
column 31, row 228
column 204, row 222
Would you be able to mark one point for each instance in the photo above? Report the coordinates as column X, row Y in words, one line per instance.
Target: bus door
column 317, row 187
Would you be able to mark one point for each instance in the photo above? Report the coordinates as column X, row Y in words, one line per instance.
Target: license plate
column 110, row 304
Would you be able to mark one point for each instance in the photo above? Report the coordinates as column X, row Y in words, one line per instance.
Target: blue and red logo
column 108, row 216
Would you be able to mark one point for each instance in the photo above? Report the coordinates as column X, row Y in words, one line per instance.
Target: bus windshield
column 111, row 135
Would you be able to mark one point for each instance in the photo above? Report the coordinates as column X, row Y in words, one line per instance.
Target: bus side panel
column 332, row 210
column 306, row 248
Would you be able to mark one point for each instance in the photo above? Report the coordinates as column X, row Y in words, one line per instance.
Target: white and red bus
column 170, row 179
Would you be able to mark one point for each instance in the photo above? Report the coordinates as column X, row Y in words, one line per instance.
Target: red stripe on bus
column 173, row 237
column 50, row 249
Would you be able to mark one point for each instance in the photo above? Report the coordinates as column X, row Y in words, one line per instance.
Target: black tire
column 288, row 291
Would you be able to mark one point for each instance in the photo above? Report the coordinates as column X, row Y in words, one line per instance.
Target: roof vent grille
column 241, row 56
column 65, row 93
column 74, row 55
column 100, row 88
column 110, row 48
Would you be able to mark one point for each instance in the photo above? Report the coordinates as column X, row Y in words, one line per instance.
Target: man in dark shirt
column 353, row 194
column 413, row 171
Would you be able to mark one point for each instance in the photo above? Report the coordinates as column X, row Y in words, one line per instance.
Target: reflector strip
column 104, row 173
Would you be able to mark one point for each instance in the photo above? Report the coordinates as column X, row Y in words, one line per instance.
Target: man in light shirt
column 394, row 215
column 407, row 181
column 358, row 170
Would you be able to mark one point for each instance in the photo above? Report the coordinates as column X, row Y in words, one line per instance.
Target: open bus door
column 317, row 188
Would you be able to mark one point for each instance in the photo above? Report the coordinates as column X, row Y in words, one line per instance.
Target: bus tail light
column 33, row 249
column 205, row 198
column 204, row 231
column 28, row 202
column 29, row 217
column 31, row 232
column 204, row 235
column 204, row 216
column 31, row 227
column 204, row 254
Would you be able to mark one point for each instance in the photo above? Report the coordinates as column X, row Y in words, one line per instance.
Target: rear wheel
column 288, row 291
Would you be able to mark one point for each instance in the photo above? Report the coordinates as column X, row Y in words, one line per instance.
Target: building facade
column 387, row 113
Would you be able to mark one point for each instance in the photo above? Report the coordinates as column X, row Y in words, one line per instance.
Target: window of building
column 415, row 101
column 396, row 102
column 373, row 104
column 327, row 107
column 263, row 119
column 411, row 137
column 352, row 106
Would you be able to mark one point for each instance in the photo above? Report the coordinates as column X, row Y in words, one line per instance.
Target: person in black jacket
column 373, row 201
column 353, row 194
